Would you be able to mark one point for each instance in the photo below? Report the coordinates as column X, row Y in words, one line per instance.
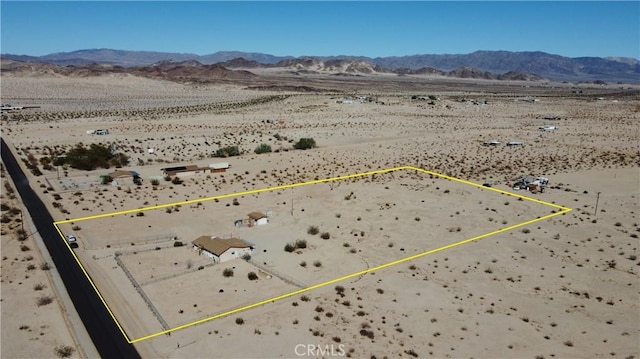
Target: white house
column 221, row 250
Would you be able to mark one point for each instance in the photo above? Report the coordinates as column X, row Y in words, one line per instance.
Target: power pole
column 595, row 212
column 22, row 222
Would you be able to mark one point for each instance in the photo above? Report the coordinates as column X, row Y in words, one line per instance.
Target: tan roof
column 218, row 246
column 256, row 215
column 120, row 174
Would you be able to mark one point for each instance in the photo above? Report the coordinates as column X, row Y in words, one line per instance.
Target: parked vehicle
column 72, row 240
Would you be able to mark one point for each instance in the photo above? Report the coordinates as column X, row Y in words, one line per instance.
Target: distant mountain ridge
column 542, row 64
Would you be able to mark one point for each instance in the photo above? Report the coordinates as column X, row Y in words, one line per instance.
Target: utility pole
column 595, row 213
column 22, row 224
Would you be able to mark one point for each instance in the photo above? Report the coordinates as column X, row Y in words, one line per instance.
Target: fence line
column 273, row 272
column 144, row 296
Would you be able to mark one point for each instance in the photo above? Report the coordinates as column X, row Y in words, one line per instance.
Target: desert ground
column 560, row 287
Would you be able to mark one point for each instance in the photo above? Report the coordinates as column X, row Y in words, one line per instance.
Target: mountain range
column 479, row 64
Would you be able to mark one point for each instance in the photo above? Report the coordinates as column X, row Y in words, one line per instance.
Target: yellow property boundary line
column 561, row 210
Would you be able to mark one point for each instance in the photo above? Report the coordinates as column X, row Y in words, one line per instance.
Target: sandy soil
column 563, row 287
column 33, row 319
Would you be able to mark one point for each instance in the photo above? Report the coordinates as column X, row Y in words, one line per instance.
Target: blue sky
column 296, row 28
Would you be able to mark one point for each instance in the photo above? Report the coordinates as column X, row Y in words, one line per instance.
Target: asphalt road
column 101, row 328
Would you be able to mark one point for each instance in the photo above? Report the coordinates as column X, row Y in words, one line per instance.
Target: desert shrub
column 252, row 276
column 313, row 230
column 411, row 352
column 228, row 151
column 325, row 235
column 339, row 289
column 526, row 230
column 262, row 148
column 44, row 300
column 45, row 266
column 239, row 321
column 246, row 256
column 227, row 272
column 367, row 333
column 176, row 180
column 38, row 286
column 305, row 143
column 155, row 182
column 64, row 351
column 317, row 264
column 289, row 247
column 178, row 244
column 301, row 243
column 303, row 264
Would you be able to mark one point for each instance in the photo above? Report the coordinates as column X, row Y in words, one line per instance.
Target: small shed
column 257, row 219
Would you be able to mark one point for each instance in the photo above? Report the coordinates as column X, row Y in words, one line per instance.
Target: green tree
column 305, row 143
column 262, row 148
column 228, row 151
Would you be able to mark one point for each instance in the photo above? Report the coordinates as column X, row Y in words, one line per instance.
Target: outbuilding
column 257, row 219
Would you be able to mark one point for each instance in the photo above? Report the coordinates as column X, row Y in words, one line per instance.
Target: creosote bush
column 64, row 351
column 227, row 272
column 44, row 300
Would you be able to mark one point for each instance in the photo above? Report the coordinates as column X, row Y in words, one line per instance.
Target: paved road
column 103, row 331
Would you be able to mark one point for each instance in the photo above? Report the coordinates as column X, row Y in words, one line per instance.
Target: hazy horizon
column 304, row 55
column 370, row 29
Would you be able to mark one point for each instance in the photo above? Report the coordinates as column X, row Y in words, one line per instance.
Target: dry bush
column 44, row 300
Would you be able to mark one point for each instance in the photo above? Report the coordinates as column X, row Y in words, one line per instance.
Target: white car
column 73, row 242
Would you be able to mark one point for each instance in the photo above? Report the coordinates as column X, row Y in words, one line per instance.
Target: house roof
column 221, row 165
column 186, row 168
column 256, row 215
column 122, row 174
column 218, row 246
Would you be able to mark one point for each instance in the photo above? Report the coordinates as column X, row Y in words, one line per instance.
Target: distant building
column 219, row 167
column 184, row 171
column 491, row 143
column 121, row 177
column 221, row 250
